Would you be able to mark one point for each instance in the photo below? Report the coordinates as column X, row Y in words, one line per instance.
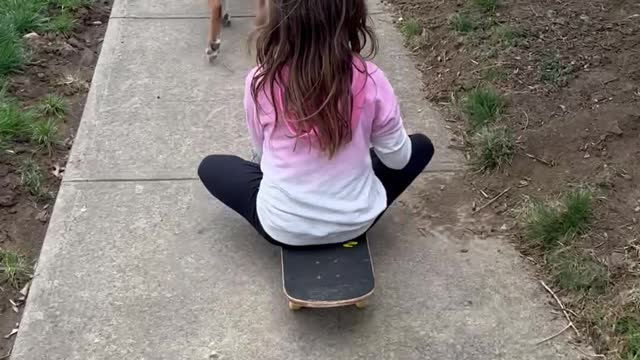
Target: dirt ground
column 63, row 66
column 571, row 75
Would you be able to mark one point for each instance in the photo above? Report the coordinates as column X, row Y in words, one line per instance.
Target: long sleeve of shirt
column 388, row 135
column 256, row 131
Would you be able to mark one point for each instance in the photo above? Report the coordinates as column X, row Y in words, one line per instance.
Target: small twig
column 546, row 162
column 526, row 125
column 8, row 354
column 35, row 63
column 490, row 66
column 422, row 231
column 533, row 11
column 457, row 147
column 486, row 196
column 491, row 201
column 599, row 356
column 564, row 310
column 627, row 225
column 571, row 312
column 554, row 335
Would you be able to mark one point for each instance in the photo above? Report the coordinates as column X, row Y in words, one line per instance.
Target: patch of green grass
column 71, row 4
column 488, row 6
column 461, row 23
column 23, row 15
column 549, row 224
column 11, row 49
column 15, row 270
column 45, row 134
column 52, row 106
column 410, row 28
column 32, row 178
column 474, row 39
column 629, row 328
column 552, row 71
column 482, row 106
column 14, row 122
column 492, row 148
column 578, row 205
column 63, row 23
column 578, row 272
column 507, row 36
column 632, row 346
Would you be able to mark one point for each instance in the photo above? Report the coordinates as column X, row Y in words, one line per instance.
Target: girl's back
column 307, row 197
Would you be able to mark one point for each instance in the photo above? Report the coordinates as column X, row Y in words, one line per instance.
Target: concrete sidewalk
column 140, row 263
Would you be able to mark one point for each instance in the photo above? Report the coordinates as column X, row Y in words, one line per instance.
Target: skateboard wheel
column 293, row 306
column 361, row 304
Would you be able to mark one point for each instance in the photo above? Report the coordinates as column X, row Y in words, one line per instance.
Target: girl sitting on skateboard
column 327, row 126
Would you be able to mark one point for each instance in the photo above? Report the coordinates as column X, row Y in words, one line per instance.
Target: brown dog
column 219, row 16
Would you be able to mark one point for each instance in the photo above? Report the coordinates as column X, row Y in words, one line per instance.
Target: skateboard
column 328, row 276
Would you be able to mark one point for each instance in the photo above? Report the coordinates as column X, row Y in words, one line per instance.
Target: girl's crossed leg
column 235, row 182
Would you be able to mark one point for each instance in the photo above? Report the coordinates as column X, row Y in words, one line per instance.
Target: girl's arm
column 388, row 135
column 252, row 119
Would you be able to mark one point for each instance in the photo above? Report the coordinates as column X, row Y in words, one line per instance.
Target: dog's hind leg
column 261, row 12
column 215, row 18
column 226, row 16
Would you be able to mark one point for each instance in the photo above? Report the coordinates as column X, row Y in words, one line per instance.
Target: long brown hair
column 305, row 49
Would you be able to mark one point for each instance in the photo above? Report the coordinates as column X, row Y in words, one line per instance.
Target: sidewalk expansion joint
column 130, row 180
column 193, row 17
column 190, row 178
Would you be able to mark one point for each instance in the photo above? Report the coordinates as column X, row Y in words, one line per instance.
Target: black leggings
column 235, row 182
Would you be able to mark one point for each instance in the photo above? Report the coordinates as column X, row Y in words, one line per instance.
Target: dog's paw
column 213, row 56
column 226, row 20
column 213, row 50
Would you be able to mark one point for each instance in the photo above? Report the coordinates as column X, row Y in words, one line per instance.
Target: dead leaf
column 615, row 129
column 43, row 216
column 15, row 307
column 68, row 141
column 12, row 333
column 25, row 289
column 58, row 170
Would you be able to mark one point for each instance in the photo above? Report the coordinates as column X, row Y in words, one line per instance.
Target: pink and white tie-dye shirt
column 305, row 198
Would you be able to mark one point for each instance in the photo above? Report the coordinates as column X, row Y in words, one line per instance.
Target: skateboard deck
column 331, row 276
